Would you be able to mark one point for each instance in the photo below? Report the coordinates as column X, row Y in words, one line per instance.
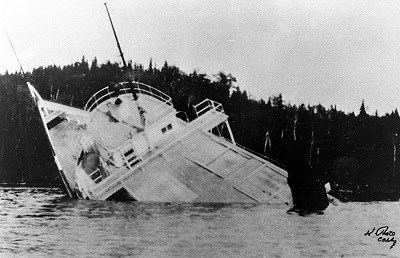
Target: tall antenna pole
column 116, row 38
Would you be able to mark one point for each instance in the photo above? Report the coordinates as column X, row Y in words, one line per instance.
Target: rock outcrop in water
column 307, row 185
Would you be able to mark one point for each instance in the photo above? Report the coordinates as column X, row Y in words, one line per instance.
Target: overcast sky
column 328, row 52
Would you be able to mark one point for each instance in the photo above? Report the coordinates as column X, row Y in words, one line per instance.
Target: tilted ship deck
column 129, row 144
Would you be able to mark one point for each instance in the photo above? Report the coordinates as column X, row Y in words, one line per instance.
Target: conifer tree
column 363, row 113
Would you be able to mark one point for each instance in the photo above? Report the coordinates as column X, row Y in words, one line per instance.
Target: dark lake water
column 41, row 222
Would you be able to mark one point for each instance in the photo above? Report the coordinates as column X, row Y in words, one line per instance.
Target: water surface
column 42, row 222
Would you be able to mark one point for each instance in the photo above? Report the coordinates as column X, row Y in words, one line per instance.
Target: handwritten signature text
column 384, row 235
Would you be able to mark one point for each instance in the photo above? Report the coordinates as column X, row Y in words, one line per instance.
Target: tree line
column 357, row 153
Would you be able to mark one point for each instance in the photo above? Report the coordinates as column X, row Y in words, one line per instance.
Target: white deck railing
column 141, row 88
column 94, row 177
column 207, row 105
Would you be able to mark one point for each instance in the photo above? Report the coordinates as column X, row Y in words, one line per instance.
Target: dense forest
column 356, row 153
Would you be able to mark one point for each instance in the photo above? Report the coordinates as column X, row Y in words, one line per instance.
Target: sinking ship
column 130, row 143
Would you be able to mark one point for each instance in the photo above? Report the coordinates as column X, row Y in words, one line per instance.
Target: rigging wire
column 15, row 52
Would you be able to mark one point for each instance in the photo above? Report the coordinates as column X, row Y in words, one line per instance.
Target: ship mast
column 140, row 110
column 116, row 38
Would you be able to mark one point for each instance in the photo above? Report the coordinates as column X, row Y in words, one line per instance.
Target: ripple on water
column 44, row 223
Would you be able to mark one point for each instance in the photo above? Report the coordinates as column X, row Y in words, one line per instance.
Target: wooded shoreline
column 357, row 153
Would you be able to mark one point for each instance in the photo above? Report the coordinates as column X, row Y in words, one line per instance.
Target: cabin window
column 167, row 128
